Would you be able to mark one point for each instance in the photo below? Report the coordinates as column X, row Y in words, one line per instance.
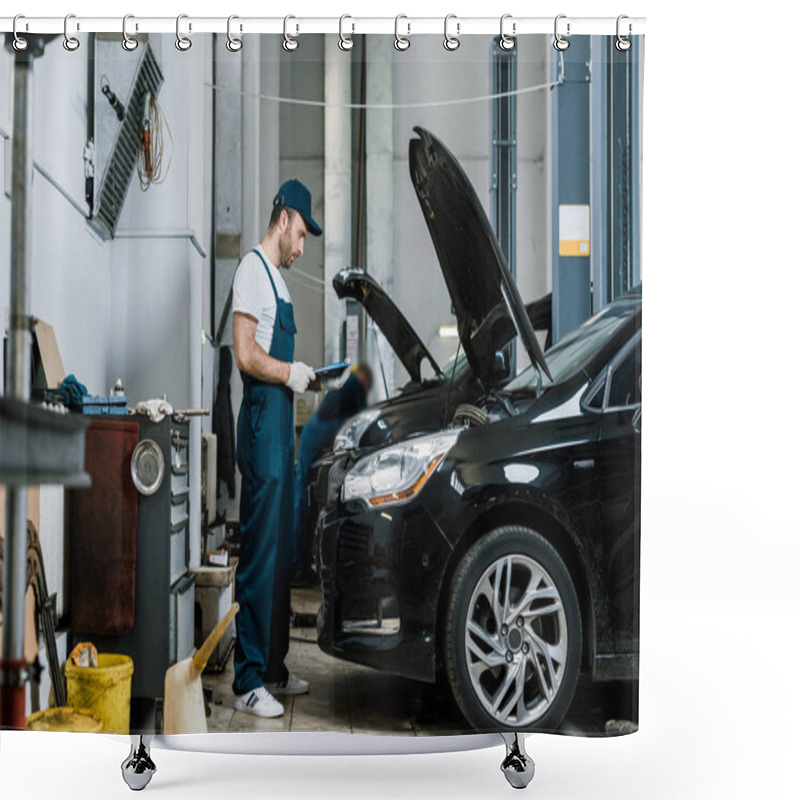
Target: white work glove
column 300, row 375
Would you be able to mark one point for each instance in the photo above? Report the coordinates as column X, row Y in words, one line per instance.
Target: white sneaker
column 259, row 702
column 290, row 685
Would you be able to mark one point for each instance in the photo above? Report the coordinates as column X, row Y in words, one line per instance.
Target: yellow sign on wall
column 573, row 230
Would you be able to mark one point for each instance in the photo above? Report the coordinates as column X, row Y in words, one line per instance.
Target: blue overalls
column 265, row 434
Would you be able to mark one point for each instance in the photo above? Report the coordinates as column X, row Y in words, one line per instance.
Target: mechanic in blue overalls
column 338, row 405
column 263, row 342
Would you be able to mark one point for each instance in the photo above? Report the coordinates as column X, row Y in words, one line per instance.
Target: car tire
column 540, row 656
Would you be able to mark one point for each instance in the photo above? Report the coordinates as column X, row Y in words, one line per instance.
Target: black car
column 422, row 405
column 503, row 548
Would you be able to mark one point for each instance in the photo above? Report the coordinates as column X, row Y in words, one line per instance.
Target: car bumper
column 381, row 575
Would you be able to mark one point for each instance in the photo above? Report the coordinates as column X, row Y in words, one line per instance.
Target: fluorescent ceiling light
column 448, row 331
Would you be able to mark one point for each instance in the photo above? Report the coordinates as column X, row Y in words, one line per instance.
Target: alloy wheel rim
column 515, row 640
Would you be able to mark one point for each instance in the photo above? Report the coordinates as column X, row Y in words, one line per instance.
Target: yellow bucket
column 76, row 720
column 105, row 690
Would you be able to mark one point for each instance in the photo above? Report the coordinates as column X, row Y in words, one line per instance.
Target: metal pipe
column 338, row 188
column 165, row 234
column 17, row 385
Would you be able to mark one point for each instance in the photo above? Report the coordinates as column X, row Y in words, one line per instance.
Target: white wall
column 119, row 308
column 150, row 285
column 70, row 270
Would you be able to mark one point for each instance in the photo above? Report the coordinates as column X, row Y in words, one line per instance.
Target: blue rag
column 74, row 391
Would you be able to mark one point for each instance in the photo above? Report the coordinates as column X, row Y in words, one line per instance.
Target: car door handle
column 583, row 463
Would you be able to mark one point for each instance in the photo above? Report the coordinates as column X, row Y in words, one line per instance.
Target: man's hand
column 300, row 375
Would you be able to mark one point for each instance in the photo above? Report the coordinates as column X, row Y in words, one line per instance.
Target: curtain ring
column 560, row 43
column 451, row 42
column 71, row 43
column 507, row 42
column 183, row 43
column 233, row 44
column 345, row 42
column 623, row 44
column 401, row 42
column 129, row 43
column 20, row 43
column 289, row 44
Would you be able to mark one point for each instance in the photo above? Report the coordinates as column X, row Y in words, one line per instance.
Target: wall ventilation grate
column 115, row 181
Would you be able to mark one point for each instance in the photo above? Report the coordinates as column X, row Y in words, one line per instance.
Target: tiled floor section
column 349, row 698
column 343, row 697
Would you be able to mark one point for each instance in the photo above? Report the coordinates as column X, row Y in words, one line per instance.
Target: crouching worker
column 318, row 434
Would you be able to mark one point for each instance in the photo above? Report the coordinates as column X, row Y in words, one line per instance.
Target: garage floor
column 349, row 698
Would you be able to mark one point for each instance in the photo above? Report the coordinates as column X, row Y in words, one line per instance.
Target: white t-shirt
column 253, row 295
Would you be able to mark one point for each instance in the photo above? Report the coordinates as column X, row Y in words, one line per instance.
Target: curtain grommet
column 290, row 44
column 401, row 43
column 560, row 42
column 129, row 43
column 233, row 44
column 451, row 43
column 183, row 43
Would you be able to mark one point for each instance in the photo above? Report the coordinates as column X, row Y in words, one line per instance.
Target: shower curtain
column 443, row 537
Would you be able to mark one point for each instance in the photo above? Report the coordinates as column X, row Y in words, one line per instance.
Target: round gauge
column 147, row 466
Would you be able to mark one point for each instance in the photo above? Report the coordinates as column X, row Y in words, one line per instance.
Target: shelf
column 39, row 446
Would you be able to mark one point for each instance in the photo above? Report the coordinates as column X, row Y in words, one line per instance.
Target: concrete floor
column 349, row 698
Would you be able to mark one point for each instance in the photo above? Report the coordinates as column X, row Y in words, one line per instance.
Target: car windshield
column 577, row 348
column 454, row 365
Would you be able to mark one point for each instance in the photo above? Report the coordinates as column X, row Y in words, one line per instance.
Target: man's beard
column 285, row 250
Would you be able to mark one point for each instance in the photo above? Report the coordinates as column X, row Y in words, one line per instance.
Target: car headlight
column 396, row 474
column 351, row 432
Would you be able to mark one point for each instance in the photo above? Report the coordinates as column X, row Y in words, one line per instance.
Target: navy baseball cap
column 295, row 195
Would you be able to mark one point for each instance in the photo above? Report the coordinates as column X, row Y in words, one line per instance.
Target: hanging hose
column 151, row 144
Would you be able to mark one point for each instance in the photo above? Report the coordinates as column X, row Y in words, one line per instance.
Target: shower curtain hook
column 623, row 44
column 183, row 43
column 507, row 42
column 20, row 43
column 560, row 42
column 345, row 42
column 401, row 42
column 71, row 43
column 451, row 42
column 289, row 44
column 233, row 44
column 129, row 43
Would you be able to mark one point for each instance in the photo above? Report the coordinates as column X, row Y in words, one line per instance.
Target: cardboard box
column 45, row 338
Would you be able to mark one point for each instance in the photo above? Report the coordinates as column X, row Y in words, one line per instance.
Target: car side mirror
column 501, row 366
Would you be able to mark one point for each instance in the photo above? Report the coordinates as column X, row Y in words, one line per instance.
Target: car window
column 454, row 365
column 599, row 395
column 579, row 347
column 625, row 388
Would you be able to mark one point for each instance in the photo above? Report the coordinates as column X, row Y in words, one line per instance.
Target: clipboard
column 332, row 370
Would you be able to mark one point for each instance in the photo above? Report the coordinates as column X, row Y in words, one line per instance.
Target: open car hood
column 487, row 304
column 355, row 284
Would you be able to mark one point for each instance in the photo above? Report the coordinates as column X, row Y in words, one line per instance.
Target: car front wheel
column 513, row 637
